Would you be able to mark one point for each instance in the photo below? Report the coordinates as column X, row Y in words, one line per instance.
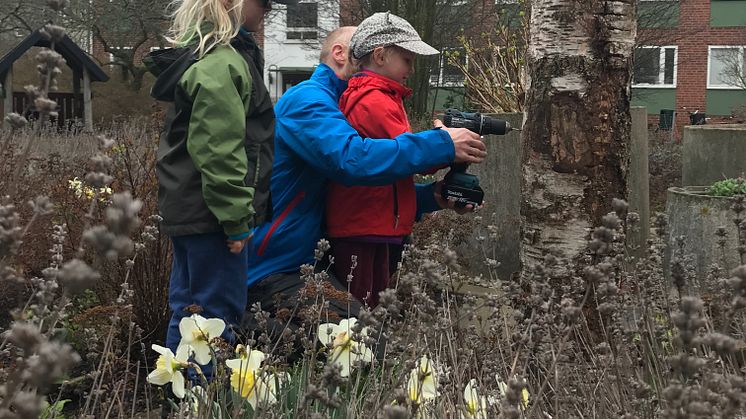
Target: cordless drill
column 458, row 185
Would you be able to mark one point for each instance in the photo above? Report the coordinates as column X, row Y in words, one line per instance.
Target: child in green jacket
column 215, row 155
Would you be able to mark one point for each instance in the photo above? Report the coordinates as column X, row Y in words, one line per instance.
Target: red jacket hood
column 367, row 81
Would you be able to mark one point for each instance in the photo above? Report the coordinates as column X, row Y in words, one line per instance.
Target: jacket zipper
column 396, row 207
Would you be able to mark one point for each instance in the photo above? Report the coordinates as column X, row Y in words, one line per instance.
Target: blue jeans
column 206, row 274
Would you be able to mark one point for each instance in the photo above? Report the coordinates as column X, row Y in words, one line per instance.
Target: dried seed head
column 44, row 105
column 76, row 276
column 395, row 412
column 41, row 205
column 619, row 206
column 611, row 221
column 52, row 33
column 25, row 336
column 105, row 143
column 51, row 362
column 16, row 121
column 57, row 5
column 28, row 404
column 98, row 179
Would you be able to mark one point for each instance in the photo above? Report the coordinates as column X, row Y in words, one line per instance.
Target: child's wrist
column 237, row 237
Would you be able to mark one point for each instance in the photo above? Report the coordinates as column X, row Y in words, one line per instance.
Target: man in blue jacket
column 315, row 143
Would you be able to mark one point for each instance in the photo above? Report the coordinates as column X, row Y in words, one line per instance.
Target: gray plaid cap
column 383, row 30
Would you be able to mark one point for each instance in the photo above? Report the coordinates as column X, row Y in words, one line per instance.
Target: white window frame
column 289, row 28
column 441, row 65
column 742, row 51
column 112, row 57
column 661, row 68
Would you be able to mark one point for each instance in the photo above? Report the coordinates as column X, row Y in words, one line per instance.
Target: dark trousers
column 371, row 274
column 206, row 274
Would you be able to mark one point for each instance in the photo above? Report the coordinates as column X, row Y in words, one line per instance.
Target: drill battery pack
column 463, row 188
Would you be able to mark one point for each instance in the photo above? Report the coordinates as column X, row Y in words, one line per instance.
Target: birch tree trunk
column 577, row 123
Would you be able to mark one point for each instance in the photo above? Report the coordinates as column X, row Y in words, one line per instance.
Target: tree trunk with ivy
column 577, row 124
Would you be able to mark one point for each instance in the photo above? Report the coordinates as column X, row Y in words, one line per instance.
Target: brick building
column 689, row 54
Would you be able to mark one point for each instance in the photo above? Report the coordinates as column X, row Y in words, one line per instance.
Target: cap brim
column 418, row 47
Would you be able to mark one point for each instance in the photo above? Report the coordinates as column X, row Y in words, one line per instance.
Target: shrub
column 728, row 187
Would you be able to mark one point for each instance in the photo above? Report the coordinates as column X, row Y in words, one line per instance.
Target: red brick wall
column 349, row 12
column 693, row 36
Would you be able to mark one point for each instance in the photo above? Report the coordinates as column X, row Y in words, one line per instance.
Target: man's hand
column 468, row 145
column 449, row 203
column 236, row 246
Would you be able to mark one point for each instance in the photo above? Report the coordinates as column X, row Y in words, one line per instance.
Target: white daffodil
column 247, row 379
column 270, row 382
column 76, row 186
column 345, row 351
column 476, row 405
column 168, row 369
column 423, row 381
column 201, row 403
column 197, row 397
column 197, row 332
column 501, row 386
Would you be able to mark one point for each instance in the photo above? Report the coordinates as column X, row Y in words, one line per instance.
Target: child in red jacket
column 363, row 221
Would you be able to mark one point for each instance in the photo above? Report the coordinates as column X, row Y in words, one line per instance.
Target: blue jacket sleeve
column 426, row 202
column 318, row 133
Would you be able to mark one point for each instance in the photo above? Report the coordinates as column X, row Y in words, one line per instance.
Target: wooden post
column 78, row 96
column 8, row 87
column 87, row 109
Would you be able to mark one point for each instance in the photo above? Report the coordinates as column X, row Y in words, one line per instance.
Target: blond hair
column 190, row 18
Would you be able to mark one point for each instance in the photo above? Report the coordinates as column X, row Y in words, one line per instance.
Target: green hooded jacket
column 215, row 153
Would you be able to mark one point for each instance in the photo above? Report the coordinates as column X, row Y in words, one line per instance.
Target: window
column 726, row 67
column 446, row 74
column 117, row 60
column 655, row 67
column 302, row 19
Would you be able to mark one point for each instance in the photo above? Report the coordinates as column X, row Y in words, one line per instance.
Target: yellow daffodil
column 504, row 388
column 524, row 398
column 168, row 369
column 80, row 190
column 476, row 405
column 248, row 380
column 345, row 351
column 423, row 381
column 196, row 333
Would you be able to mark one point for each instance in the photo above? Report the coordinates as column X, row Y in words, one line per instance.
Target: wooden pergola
column 75, row 105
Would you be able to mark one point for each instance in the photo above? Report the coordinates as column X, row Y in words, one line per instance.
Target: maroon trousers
column 371, row 273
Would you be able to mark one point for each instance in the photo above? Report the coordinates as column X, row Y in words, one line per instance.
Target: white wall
column 279, row 52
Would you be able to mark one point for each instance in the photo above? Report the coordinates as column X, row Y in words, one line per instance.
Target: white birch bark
column 577, row 123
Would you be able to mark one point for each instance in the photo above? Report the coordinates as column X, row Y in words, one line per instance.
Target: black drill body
column 458, row 185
